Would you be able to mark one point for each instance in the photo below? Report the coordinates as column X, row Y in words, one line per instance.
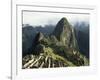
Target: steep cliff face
column 64, row 32
column 39, row 36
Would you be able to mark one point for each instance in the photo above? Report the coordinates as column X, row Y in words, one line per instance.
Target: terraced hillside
column 45, row 60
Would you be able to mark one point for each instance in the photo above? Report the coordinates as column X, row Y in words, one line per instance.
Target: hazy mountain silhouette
column 82, row 35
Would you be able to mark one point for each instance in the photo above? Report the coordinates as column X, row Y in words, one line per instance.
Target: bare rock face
column 64, row 32
column 39, row 36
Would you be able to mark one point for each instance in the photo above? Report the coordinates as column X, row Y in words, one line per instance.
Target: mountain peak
column 63, row 25
column 39, row 36
column 63, row 21
column 64, row 33
column 62, row 29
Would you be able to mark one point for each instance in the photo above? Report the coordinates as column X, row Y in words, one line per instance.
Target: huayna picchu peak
column 64, row 32
column 58, row 49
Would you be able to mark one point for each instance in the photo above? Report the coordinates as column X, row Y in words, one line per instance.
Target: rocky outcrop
column 39, row 36
column 64, row 32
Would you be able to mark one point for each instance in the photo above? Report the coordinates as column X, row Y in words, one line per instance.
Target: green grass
column 49, row 52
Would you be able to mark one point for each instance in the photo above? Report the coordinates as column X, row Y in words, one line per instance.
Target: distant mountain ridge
column 82, row 36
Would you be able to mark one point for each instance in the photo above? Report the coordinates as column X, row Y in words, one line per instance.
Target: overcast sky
column 37, row 18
